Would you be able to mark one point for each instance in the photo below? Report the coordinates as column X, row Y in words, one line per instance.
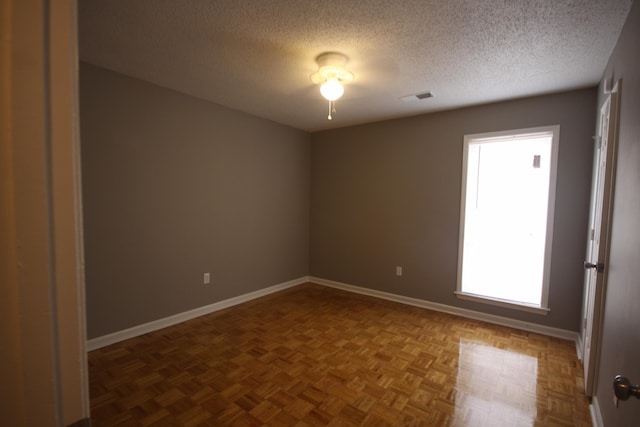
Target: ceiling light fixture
column 331, row 75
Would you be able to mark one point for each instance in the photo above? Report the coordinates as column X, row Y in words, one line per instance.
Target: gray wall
column 388, row 194
column 620, row 350
column 174, row 187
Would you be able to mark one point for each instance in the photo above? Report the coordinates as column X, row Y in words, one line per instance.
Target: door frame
column 42, row 270
column 590, row 361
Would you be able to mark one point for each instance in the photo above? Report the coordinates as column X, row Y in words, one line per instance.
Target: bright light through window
column 507, row 213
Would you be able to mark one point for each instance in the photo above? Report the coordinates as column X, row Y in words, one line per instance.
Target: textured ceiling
column 257, row 55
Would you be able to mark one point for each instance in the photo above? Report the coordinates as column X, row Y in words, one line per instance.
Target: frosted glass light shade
column 332, row 90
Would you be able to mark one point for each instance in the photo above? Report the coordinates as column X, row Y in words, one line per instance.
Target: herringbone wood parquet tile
column 315, row 356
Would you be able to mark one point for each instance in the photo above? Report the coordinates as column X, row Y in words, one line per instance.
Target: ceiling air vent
column 417, row 96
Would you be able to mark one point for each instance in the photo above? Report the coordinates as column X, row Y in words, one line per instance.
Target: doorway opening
column 506, row 223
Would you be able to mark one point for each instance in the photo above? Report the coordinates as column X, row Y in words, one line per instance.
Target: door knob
column 599, row 267
column 623, row 389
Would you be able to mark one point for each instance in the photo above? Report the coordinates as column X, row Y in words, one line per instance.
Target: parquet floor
column 316, row 356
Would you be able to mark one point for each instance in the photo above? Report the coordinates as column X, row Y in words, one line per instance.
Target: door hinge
column 599, row 267
column 598, row 140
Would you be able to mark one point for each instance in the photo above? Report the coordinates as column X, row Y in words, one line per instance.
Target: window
column 508, row 194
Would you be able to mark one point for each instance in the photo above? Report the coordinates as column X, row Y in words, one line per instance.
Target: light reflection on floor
column 494, row 384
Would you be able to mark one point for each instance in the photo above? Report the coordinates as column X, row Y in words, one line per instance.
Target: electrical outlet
column 398, row 271
column 207, row 278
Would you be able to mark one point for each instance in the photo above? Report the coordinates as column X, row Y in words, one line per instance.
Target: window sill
column 503, row 303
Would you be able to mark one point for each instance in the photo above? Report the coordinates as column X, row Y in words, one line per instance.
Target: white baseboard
column 596, row 415
column 462, row 312
column 105, row 340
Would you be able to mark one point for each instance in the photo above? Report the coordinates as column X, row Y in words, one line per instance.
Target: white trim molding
column 502, row 303
column 105, row 340
column 462, row 312
column 579, row 347
column 596, row 415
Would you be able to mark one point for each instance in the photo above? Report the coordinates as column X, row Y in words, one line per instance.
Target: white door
column 597, row 245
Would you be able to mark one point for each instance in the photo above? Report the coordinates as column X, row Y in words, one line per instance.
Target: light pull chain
column 332, row 109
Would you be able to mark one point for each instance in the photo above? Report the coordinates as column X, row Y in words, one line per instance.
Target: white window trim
column 543, row 308
column 503, row 303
